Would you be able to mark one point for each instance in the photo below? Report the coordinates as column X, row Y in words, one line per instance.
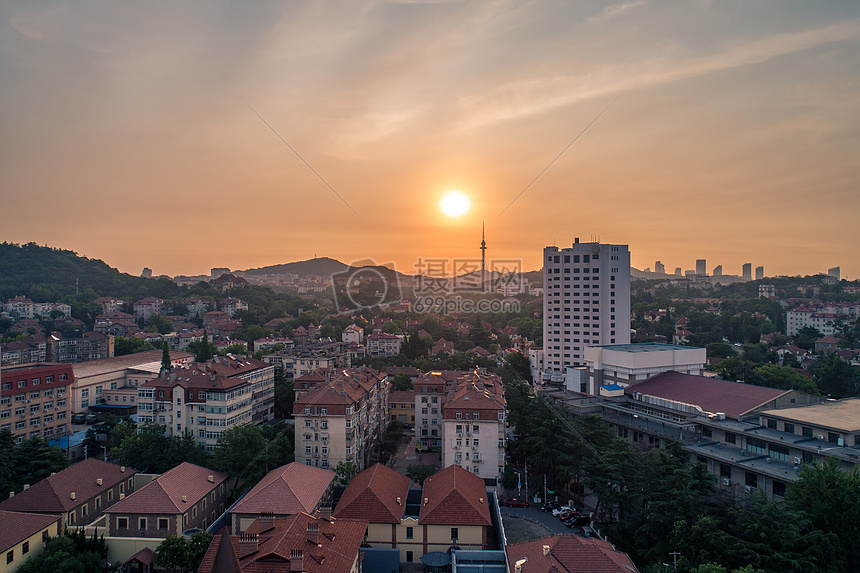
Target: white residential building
column 353, row 334
column 473, row 426
column 586, row 302
column 383, row 344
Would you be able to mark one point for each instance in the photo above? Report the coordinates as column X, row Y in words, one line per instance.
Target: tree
column 71, row 552
column 241, row 454
column 158, row 323
column 401, row 381
column 830, row 496
column 166, row 365
column 203, row 350
column 196, row 549
column 419, row 472
column 345, row 471
column 123, row 346
column 172, row 553
column 836, row 378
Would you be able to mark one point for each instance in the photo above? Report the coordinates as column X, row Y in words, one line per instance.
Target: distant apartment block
column 759, row 273
column 22, row 307
column 35, row 401
column 718, row 271
column 747, row 271
column 231, row 305
column 835, row 272
column 659, row 268
column 353, row 334
column 307, row 357
column 701, row 267
column 146, row 307
column 821, row 316
column 766, row 291
column 383, row 344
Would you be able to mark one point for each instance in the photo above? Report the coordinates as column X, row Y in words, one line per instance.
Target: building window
column 731, row 438
column 778, row 488
column 122, row 523
column 409, row 556
column 141, row 523
column 10, row 557
column 25, row 548
column 751, row 479
column 757, row 446
column 162, row 523
column 409, row 533
column 789, row 428
column 455, row 534
column 771, row 424
column 110, row 494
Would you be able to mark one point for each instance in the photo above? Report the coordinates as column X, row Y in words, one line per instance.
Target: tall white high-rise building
column 586, row 302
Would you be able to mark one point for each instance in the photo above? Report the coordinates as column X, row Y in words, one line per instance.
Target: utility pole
column 527, row 480
column 675, row 555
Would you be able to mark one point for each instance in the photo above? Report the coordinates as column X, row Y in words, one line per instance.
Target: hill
column 46, row 274
column 317, row 266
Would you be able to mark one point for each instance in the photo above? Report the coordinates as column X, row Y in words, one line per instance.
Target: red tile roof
column 710, row 394
column 287, row 490
column 569, row 553
column 454, row 496
column 165, row 493
column 372, row 495
column 15, row 527
column 335, row 550
column 53, row 494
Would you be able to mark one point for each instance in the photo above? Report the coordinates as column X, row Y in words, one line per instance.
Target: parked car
column 550, row 505
column 562, row 509
column 514, row 502
column 577, row 521
column 568, row 514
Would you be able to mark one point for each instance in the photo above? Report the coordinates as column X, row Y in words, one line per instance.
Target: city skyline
column 154, row 136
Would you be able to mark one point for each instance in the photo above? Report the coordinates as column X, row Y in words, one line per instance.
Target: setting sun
column 454, row 204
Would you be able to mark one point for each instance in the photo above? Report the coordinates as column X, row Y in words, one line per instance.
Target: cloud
column 38, row 25
column 616, row 10
column 537, row 95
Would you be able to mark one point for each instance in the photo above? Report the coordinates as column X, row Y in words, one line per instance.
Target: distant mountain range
column 317, row 266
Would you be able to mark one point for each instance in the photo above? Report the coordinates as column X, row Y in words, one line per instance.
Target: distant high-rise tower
column 659, row 268
column 606, row 303
column 835, row 272
column 146, row 273
column 483, row 253
column 701, row 267
column 747, row 272
column 718, row 271
column 218, row 271
column 679, row 272
column 759, row 273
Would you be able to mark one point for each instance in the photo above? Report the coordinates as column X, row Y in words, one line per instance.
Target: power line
column 309, row 166
column 557, row 157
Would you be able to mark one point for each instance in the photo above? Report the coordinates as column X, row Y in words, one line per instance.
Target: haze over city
column 153, row 135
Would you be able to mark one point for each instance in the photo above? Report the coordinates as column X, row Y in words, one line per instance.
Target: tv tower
column 483, row 253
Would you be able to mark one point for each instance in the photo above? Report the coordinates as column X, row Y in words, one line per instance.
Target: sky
column 182, row 136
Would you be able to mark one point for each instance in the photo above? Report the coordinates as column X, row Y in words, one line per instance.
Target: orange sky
column 734, row 137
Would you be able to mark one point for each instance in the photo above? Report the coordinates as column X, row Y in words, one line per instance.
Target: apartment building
column 309, row 356
column 430, row 390
column 586, row 302
column 341, row 420
column 473, row 426
column 383, row 344
column 401, row 406
column 201, row 403
column 232, row 305
column 259, row 374
column 116, row 324
column 27, row 350
column 78, row 494
column 185, row 497
column 35, row 400
column 146, row 307
column 85, row 346
column 22, row 307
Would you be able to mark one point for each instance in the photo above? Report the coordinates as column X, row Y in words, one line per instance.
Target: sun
column 455, row 204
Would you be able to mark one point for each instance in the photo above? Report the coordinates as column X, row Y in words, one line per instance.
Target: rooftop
column 105, row 365
column 287, row 490
column 172, row 492
column 644, row 347
column 378, row 494
column 567, row 552
column 15, row 527
column 841, row 415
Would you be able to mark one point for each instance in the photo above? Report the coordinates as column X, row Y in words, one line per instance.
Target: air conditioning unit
column 796, row 461
column 727, row 482
column 748, row 488
column 820, row 436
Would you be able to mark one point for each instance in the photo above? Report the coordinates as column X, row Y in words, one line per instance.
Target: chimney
column 211, row 479
column 99, row 481
column 313, row 533
column 122, row 469
column 546, row 549
column 184, row 499
column 72, row 495
column 398, row 500
column 518, row 566
column 325, row 512
column 11, row 494
column 26, row 486
column 426, row 500
column 247, row 544
column 53, row 473
column 296, row 560
column 266, row 521
column 481, row 500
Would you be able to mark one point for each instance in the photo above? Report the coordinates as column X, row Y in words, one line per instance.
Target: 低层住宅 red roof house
column 186, row 497
column 566, row 552
column 23, row 535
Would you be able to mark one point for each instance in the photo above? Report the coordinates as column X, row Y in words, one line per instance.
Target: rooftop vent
column 211, row 479
column 546, row 549
column 99, row 481
column 184, row 499
column 73, row 495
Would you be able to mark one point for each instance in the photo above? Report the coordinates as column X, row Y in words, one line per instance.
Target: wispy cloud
column 616, row 10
